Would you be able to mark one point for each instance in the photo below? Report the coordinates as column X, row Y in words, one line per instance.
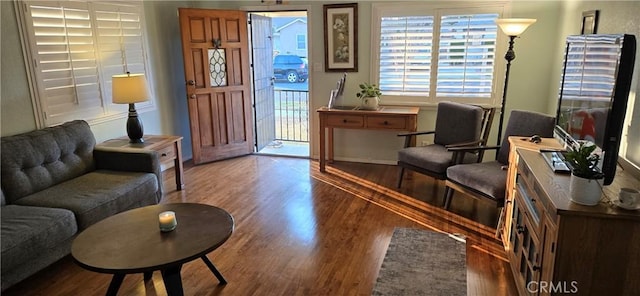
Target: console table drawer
column 386, row 122
column 345, row 121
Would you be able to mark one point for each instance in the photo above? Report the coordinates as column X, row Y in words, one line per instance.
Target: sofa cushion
column 36, row 160
column 27, row 231
column 98, row 195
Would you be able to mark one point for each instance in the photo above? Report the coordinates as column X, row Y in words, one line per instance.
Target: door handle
column 191, row 82
column 193, row 96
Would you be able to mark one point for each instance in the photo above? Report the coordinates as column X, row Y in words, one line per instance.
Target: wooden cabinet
column 387, row 118
column 557, row 247
column 516, row 142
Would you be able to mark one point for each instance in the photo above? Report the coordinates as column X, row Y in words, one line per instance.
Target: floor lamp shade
column 130, row 89
column 514, row 26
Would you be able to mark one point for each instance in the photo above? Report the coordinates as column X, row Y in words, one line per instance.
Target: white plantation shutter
column 435, row 52
column 466, row 55
column 76, row 47
column 120, row 40
column 405, row 54
column 67, row 70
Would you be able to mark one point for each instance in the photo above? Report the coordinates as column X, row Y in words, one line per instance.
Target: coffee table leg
column 172, row 281
column 114, row 286
column 214, row 270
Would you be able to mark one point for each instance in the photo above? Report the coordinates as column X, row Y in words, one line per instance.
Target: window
column 301, row 41
column 426, row 53
column 76, row 46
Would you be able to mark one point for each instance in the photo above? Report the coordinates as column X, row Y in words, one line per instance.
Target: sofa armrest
column 129, row 160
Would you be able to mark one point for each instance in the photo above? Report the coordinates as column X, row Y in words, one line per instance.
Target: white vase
column 370, row 103
column 585, row 191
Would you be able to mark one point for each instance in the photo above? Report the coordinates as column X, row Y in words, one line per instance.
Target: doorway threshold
column 286, row 148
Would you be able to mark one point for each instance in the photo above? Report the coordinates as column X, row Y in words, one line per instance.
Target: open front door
column 216, row 65
column 263, row 80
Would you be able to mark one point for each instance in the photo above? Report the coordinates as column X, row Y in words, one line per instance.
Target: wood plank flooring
column 300, row 232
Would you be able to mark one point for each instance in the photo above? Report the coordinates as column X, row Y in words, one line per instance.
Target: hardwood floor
column 300, row 232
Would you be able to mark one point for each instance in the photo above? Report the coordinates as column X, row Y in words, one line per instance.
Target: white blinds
column 438, row 54
column 76, row 47
column 466, row 55
column 405, row 54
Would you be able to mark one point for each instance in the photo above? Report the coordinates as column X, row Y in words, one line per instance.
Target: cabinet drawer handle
column 344, row 121
column 385, row 122
column 536, row 268
column 163, row 154
column 520, row 229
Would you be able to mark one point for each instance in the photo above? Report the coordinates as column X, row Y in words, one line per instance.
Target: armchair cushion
column 487, row 178
column 457, row 123
column 433, row 158
column 526, row 124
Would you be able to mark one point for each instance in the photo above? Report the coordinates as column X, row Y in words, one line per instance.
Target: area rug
column 422, row 262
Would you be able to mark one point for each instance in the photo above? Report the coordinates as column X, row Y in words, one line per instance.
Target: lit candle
column 167, row 221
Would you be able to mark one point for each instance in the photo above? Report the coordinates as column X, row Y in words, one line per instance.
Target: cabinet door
column 549, row 253
column 525, row 255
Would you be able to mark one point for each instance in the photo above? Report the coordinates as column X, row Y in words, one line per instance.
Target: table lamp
column 130, row 89
column 513, row 28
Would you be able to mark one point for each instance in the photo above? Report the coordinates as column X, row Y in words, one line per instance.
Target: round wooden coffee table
column 131, row 242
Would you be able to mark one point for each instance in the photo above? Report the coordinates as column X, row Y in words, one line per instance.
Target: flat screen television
column 594, row 90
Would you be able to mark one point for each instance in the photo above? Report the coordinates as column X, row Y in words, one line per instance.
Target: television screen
column 594, row 90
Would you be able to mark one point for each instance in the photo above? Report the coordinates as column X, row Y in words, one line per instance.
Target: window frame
column 437, row 9
column 110, row 111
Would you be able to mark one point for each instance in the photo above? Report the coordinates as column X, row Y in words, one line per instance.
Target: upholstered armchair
column 487, row 180
column 456, row 125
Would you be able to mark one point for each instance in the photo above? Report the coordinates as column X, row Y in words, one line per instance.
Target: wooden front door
column 216, row 65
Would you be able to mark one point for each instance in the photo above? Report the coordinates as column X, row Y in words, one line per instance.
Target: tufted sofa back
column 39, row 159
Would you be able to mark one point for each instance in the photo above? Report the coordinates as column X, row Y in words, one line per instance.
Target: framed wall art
column 589, row 22
column 341, row 37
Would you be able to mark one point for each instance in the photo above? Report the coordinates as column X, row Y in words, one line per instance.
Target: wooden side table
column 169, row 149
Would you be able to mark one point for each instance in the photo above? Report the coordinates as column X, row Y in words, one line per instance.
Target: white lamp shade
column 129, row 88
column 514, row 26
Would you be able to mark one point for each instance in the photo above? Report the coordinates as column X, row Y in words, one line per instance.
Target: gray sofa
column 56, row 183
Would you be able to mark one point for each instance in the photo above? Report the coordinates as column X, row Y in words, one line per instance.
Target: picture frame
column 341, row 37
column 589, row 22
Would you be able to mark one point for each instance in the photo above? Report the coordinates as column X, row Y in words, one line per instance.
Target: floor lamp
column 512, row 28
column 130, row 89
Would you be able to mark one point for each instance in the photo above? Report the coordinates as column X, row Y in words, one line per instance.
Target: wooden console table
column 169, row 150
column 387, row 118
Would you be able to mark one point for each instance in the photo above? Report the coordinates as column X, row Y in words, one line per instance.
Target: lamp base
column 135, row 130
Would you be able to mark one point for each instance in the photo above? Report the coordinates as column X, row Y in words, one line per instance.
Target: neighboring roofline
column 291, row 23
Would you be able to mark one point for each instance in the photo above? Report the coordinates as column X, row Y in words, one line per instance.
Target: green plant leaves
column 584, row 161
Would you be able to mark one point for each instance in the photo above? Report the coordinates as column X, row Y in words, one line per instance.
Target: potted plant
column 584, row 187
column 370, row 96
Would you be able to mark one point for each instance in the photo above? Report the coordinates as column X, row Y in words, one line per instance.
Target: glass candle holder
column 167, row 221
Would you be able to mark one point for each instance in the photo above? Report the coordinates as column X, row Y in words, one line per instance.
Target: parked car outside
column 291, row 68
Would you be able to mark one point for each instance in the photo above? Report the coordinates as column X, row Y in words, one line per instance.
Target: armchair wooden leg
column 448, row 194
column 400, row 175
